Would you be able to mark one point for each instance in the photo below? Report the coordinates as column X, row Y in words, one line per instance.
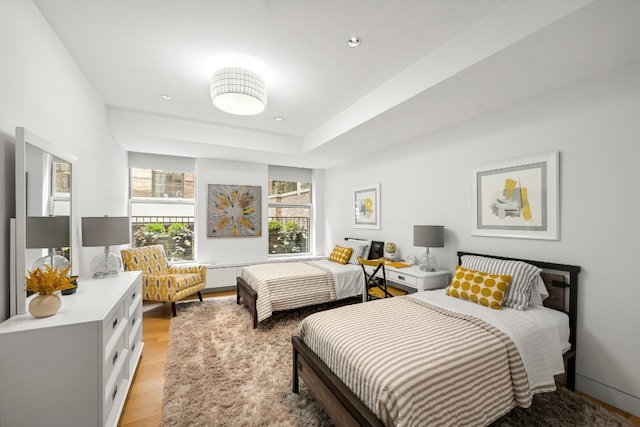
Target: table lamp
column 105, row 231
column 428, row 236
column 49, row 232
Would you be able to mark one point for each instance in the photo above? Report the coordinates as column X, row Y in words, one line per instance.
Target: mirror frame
column 18, row 297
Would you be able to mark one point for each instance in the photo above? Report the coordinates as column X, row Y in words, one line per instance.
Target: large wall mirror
column 43, row 202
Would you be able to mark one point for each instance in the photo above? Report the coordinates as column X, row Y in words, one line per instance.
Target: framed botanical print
column 517, row 198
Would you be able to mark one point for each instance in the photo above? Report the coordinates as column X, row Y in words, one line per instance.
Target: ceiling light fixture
column 354, row 41
column 238, row 91
column 166, row 97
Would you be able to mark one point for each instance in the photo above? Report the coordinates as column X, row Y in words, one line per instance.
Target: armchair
column 161, row 281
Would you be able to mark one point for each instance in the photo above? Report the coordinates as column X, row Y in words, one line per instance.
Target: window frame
column 166, row 201
column 308, row 206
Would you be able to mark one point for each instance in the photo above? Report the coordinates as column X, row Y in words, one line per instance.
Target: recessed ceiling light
column 166, row 97
column 354, row 41
column 279, row 118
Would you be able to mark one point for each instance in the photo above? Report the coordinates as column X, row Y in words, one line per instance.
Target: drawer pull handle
column 401, row 278
column 115, row 392
column 115, row 357
column 133, row 295
column 115, row 323
column 133, row 347
column 133, row 321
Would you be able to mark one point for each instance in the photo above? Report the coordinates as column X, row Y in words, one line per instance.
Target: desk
column 413, row 279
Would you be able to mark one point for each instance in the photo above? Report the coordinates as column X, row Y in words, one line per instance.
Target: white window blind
column 162, row 162
column 291, row 174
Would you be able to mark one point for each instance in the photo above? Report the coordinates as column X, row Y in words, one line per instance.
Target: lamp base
column 55, row 261
column 427, row 261
column 105, row 265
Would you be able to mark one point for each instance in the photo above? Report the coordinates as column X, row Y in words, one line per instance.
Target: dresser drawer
column 114, row 392
column 405, row 279
column 135, row 350
column 112, row 358
column 134, row 299
column 113, row 323
column 135, row 320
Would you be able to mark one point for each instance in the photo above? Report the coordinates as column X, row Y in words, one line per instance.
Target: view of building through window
column 163, row 211
column 289, row 217
column 61, row 187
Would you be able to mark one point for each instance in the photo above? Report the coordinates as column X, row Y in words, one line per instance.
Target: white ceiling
column 422, row 65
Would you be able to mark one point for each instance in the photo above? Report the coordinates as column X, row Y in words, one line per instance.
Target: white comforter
column 347, row 278
column 540, row 334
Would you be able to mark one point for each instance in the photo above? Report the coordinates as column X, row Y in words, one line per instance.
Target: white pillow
column 360, row 249
column 539, row 292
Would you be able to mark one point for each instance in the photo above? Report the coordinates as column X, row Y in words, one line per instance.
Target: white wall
column 232, row 250
column 44, row 91
column 595, row 127
column 222, row 250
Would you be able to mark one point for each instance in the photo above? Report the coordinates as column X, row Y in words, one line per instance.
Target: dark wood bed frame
column 346, row 409
column 249, row 296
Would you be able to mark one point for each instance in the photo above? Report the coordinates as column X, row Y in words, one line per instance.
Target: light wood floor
column 143, row 407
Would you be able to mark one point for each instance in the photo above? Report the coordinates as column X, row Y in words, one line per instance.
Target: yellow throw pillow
column 340, row 255
column 479, row 287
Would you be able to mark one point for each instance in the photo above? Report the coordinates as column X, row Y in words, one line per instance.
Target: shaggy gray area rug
column 222, row 372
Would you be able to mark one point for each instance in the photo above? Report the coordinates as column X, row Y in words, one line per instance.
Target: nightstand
column 413, row 279
column 417, row 279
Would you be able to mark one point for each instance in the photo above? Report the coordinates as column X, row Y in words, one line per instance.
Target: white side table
column 417, row 279
column 412, row 278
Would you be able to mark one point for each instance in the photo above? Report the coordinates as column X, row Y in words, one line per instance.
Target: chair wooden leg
column 200, row 296
column 173, row 308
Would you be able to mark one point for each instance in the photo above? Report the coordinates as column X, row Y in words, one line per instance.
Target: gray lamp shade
column 428, row 236
column 47, row 232
column 105, row 230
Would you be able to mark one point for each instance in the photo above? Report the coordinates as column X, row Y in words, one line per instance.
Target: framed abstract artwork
column 517, row 198
column 234, row 210
column 367, row 207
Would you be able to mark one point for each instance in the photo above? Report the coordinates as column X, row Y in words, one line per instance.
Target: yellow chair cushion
column 340, row 255
column 479, row 287
column 376, row 292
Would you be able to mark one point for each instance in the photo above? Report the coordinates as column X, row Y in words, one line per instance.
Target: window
column 60, row 187
column 290, row 207
column 162, row 204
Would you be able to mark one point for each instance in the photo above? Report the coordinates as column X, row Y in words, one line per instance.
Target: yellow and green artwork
column 233, row 210
column 367, row 207
column 517, row 198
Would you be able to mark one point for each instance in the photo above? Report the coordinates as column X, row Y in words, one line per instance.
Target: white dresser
column 74, row 368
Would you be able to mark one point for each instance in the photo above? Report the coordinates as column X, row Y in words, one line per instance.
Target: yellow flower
column 48, row 281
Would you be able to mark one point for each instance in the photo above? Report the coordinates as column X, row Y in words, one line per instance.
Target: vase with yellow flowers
column 46, row 283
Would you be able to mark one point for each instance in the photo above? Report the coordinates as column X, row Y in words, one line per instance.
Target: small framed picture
column 367, row 207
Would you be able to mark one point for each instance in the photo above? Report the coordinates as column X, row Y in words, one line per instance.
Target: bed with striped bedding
column 429, row 373
column 414, row 361
column 272, row 287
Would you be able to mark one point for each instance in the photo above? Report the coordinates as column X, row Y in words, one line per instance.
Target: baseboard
column 218, row 289
column 613, row 397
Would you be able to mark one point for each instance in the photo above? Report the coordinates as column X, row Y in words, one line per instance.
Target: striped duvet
column 288, row 285
column 415, row 364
